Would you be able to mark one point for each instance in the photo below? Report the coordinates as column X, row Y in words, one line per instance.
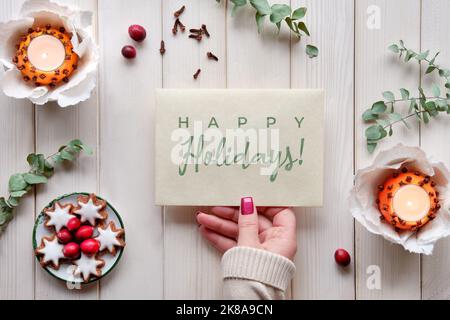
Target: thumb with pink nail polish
column 248, row 224
column 279, row 236
column 259, row 265
column 268, row 228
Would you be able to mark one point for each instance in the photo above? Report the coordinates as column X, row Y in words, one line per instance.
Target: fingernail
column 247, row 206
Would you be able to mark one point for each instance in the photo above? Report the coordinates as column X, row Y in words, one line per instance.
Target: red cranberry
column 85, row 232
column 71, row 250
column 90, row 246
column 129, row 52
column 137, row 32
column 64, row 236
column 342, row 257
column 73, row 224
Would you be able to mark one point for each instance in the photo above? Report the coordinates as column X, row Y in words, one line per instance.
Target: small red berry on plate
column 73, row 224
column 137, row 32
column 129, row 52
column 71, row 250
column 64, row 236
column 84, row 232
column 90, row 246
column 342, row 257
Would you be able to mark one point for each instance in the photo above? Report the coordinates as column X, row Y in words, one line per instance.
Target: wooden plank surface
column 257, row 61
column 435, row 27
column 54, row 127
column 199, row 275
column 165, row 256
column 322, row 230
column 126, row 144
column 377, row 70
column 16, row 142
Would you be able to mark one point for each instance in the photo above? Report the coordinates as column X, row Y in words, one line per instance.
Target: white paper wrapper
column 39, row 13
column 364, row 194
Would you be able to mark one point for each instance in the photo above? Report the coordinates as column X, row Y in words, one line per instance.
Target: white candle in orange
column 411, row 203
column 45, row 56
column 46, row 53
column 408, row 200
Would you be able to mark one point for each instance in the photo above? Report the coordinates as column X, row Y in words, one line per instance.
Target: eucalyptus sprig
column 278, row 13
column 41, row 169
column 382, row 115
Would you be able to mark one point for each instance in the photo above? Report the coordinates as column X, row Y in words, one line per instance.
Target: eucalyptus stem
column 41, row 169
column 411, row 99
column 278, row 14
column 425, row 107
column 403, row 119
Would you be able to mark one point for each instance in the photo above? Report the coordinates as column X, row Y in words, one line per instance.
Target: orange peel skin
column 387, row 191
column 45, row 78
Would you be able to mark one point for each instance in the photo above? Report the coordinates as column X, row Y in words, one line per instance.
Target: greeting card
column 213, row 147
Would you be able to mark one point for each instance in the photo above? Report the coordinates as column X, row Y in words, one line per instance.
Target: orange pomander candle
column 408, row 200
column 45, row 56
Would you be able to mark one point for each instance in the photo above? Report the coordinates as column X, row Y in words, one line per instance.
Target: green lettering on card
column 271, row 121
column 181, row 122
column 242, row 121
column 275, row 160
column 213, row 122
column 299, row 121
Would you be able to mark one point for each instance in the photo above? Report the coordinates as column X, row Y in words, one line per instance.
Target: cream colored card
column 213, row 147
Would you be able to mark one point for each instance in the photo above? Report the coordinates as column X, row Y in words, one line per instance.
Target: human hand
column 266, row 228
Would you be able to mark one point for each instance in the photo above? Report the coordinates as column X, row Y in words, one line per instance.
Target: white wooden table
column 165, row 256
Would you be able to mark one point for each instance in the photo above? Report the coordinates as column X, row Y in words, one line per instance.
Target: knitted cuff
column 258, row 265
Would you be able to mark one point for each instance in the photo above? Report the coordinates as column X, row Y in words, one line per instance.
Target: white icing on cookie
column 52, row 251
column 108, row 238
column 87, row 265
column 89, row 211
column 59, row 216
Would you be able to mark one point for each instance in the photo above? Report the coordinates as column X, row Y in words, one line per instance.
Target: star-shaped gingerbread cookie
column 90, row 208
column 110, row 237
column 87, row 266
column 50, row 252
column 58, row 215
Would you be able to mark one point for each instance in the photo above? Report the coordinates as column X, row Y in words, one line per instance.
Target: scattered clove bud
column 212, row 56
column 162, row 49
column 197, row 31
column 179, row 12
column 205, row 30
column 175, row 28
column 182, row 26
column 197, row 37
column 196, row 74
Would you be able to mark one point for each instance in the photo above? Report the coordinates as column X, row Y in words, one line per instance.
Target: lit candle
column 411, row 203
column 45, row 56
column 46, row 53
column 408, row 200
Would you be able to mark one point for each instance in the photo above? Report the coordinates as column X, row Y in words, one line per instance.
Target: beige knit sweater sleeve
column 250, row 273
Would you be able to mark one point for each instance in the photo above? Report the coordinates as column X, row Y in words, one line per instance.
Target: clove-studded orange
column 386, row 193
column 45, row 78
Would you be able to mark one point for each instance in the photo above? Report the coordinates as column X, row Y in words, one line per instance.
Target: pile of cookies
column 80, row 236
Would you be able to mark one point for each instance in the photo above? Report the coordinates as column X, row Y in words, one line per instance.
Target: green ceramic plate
column 65, row 271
